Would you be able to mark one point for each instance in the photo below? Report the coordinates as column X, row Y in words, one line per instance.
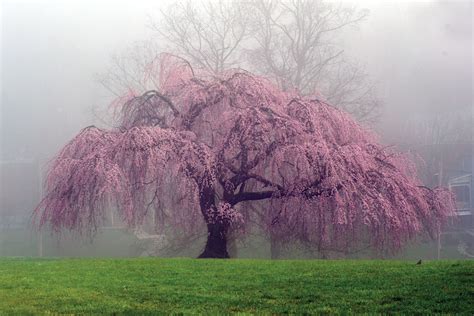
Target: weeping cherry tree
column 204, row 148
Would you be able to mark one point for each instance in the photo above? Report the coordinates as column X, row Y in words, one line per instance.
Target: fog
column 421, row 54
column 418, row 53
column 51, row 51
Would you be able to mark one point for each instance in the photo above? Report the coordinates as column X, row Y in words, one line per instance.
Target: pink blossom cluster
column 224, row 213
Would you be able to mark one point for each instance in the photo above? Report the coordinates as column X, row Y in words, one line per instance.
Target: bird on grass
column 419, row 262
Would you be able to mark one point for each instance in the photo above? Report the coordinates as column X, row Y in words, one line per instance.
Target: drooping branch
column 153, row 93
column 251, row 196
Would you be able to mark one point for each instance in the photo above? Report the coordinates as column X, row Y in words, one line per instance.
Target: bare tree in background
column 208, row 33
column 132, row 69
column 294, row 42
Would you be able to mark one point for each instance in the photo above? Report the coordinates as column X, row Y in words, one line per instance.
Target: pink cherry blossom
column 203, row 147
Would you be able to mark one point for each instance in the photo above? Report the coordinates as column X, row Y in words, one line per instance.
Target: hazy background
column 418, row 52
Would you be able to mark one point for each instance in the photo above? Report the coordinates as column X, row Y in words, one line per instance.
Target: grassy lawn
column 150, row 286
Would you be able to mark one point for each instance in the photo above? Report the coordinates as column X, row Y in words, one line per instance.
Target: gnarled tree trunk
column 216, row 245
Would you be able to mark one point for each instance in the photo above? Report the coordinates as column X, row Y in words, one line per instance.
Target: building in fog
column 451, row 165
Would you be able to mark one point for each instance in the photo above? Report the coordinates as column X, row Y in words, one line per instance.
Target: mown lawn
column 151, row 286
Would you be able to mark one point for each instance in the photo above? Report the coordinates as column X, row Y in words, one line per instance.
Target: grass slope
column 151, row 286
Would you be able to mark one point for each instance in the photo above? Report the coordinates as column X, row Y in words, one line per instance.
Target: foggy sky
column 419, row 53
column 51, row 53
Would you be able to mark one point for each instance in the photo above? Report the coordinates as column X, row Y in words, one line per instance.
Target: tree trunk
column 216, row 245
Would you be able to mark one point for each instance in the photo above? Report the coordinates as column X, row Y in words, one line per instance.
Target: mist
column 417, row 54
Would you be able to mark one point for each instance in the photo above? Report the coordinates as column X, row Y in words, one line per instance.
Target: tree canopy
column 205, row 147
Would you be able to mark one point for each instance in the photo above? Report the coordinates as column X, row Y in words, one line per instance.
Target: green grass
column 151, row 286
